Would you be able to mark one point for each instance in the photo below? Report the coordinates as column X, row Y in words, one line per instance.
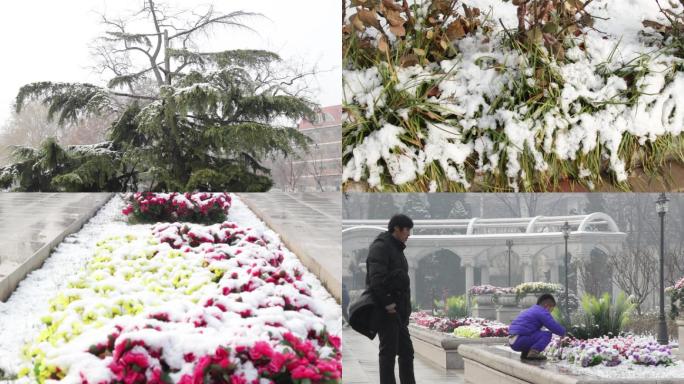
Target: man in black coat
column 388, row 281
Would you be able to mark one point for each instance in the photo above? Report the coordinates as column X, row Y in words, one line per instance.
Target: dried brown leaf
column 409, row 60
column 391, row 5
column 455, row 30
column 398, row 31
column 383, row 45
column 369, row 18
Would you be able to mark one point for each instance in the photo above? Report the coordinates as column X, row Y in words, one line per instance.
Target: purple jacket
column 532, row 319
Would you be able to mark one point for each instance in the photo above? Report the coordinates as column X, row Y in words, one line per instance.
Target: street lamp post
column 661, row 208
column 509, row 244
column 566, row 235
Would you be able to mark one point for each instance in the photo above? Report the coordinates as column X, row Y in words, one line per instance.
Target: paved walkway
column 310, row 225
column 360, row 363
column 31, row 224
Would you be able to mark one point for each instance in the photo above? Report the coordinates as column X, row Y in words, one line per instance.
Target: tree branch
column 142, row 97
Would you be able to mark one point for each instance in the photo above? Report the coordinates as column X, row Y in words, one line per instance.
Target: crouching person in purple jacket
column 525, row 331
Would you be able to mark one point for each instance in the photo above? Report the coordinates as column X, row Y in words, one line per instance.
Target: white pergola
column 538, row 241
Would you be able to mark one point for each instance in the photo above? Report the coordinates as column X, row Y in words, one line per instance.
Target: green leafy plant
column 599, row 316
column 457, row 307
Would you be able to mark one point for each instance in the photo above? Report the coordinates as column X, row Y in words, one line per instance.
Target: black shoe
column 534, row 355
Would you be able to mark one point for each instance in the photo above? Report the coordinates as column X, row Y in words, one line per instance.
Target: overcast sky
column 51, row 40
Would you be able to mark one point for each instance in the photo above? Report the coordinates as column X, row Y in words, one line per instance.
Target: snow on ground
column 20, row 315
column 156, row 279
column 627, row 370
column 469, row 88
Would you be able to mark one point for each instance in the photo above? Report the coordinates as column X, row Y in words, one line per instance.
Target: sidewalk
column 310, row 225
column 31, row 224
column 360, row 362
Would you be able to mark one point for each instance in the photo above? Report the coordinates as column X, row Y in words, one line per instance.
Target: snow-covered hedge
column 149, row 207
column 187, row 303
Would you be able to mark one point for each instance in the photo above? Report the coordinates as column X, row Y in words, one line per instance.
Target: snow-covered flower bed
column 468, row 327
column 610, row 351
column 490, row 290
column 189, row 303
column 148, row 207
column 496, row 116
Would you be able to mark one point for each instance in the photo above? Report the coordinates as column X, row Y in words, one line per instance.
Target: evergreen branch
column 139, row 97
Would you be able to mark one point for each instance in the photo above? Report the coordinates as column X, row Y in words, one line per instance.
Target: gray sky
column 50, row 40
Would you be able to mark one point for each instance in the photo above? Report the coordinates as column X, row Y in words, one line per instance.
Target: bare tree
column 288, row 172
column 634, row 271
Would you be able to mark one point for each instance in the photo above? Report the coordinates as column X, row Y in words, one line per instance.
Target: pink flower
column 260, row 350
column 305, row 372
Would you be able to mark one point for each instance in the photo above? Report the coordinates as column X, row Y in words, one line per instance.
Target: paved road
column 360, row 363
column 310, row 225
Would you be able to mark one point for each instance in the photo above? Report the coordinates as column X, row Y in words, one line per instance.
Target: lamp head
column 661, row 204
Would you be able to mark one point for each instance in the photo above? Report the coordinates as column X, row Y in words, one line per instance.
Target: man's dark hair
column 546, row 298
column 401, row 221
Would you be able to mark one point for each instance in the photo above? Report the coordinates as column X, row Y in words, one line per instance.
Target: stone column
column 484, row 275
column 580, row 286
column 412, row 276
column 527, row 272
column 554, row 274
column 469, row 276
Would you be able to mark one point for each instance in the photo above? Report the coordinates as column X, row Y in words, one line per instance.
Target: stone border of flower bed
column 483, row 364
column 10, row 282
column 442, row 348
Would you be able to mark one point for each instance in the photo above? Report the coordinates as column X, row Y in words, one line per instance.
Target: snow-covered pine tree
column 459, row 210
column 415, row 207
column 187, row 120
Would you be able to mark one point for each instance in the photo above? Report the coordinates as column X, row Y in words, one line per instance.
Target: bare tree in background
column 31, row 127
column 634, row 271
column 288, row 172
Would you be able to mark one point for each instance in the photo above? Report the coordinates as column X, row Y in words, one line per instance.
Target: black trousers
column 395, row 341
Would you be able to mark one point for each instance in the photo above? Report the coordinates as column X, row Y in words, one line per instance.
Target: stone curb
column 479, row 359
column 441, row 348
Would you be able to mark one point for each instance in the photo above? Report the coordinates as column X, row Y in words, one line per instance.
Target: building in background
column 321, row 168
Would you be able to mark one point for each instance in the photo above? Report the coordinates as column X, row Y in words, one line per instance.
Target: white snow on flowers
column 619, row 357
column 181, row 302
column 477, row 87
